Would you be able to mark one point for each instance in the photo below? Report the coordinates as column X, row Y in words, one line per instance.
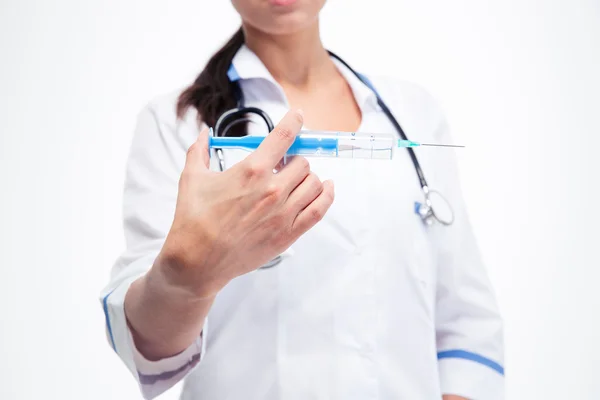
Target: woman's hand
column 226, row 224
column 229, row 223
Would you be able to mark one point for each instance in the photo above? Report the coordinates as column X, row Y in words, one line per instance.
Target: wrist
column 182, row 276
column 163, row 319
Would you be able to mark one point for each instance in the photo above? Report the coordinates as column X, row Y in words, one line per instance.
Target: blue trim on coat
column 232, row 74
column 110, row 332
column 467, row 355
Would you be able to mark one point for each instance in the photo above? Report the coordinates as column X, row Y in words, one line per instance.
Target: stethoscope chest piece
column 435, row 208
column 272, row 263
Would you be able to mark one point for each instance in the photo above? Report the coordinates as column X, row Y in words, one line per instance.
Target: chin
column 288, row 24
column 279, row 17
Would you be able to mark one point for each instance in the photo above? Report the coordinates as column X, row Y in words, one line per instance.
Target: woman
column 367, row 303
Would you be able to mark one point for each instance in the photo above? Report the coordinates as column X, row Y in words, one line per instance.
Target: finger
column 306, row 192
column 315, row 210
column 277, row 143
column 293, row 173
column 198, row 157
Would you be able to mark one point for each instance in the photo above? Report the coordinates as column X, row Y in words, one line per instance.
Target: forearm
column 164, row 319
column 452, row 397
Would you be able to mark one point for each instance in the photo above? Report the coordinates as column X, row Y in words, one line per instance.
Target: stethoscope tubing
column 238, row 114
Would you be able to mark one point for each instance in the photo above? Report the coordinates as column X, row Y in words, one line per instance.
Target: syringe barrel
column 344, row 145
column 366, row 145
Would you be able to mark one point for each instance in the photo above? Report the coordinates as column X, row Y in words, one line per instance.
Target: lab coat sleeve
column 469, row 330
column 154, row 165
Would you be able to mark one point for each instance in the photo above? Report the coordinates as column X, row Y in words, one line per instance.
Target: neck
column 297, row 59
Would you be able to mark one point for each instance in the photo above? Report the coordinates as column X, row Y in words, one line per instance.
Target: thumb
column 198, row 157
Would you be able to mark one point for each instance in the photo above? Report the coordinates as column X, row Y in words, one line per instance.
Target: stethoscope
column 425, row 210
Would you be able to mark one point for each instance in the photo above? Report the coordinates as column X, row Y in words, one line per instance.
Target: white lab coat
column 369, row 304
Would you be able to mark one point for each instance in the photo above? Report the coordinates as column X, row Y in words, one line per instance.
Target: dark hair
column 212, row 93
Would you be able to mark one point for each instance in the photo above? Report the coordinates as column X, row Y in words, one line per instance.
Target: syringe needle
column 410, row 143
column 441, row 145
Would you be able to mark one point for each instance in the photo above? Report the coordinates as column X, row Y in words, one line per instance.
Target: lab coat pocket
column 395, row 194
column 422, row 263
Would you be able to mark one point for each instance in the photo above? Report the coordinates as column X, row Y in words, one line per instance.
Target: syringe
column 329, row 144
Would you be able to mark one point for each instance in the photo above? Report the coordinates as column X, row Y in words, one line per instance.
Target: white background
column 74, row 74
